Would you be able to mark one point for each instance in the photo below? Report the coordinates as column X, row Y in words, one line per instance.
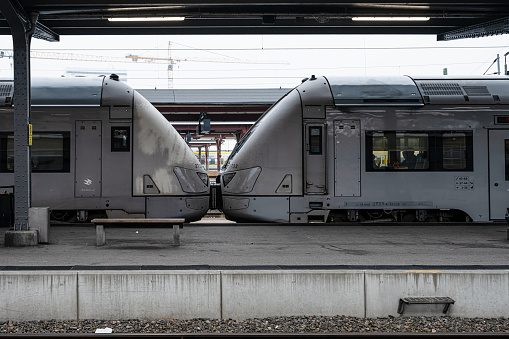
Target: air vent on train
column 458, row 92
column 476, row 90
column 432, row 88
column 6, row 93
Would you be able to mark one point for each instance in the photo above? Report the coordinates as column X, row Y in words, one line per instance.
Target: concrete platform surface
column 218, row 242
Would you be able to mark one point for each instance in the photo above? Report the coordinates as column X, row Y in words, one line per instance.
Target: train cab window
column 315, row 140
column 50, row 152
column 120, row 139
column 507, row 160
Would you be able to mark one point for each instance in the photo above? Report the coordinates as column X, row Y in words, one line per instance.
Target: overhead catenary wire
column 272, row 48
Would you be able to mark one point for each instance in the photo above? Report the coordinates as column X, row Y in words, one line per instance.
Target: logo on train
column 87, row 181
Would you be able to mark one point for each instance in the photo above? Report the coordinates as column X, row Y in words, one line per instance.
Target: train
column 375, row 149
column 211, row 162
column 101, row 149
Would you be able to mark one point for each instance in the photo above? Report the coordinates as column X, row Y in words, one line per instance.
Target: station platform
column 219, row 242
column 223, row 270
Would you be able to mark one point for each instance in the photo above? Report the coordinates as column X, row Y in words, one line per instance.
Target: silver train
column 100, row 147
column 375, row 148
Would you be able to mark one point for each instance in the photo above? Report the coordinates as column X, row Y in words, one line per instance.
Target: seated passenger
column 410, row 159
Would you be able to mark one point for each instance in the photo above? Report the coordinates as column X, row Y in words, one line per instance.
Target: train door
column 347, row 158
column 88, row 159
column 499, row 173
column 315, row 169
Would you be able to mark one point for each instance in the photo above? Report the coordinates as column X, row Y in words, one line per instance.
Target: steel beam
column 22, row 29
column 495, row 27
column 45, row 33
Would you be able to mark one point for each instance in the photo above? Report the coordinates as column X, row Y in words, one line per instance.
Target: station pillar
column 22, row 28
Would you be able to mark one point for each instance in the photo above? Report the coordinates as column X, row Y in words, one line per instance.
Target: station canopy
column 448, row 20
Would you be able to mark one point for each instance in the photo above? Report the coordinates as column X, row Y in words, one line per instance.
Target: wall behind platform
column 45, row 295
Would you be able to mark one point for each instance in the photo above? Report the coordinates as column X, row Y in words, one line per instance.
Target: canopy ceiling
column 453, row 19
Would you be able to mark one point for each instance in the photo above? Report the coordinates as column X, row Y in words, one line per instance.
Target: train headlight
column 227, row 178
column 204, row 177
column 192, row 181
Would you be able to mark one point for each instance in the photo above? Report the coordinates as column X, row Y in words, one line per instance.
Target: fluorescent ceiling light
column 166, row 18
column 381, row 18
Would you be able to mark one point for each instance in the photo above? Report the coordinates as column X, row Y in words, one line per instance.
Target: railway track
column 276, row 327
column 259, row 335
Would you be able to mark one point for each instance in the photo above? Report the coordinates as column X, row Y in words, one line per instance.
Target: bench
column 425, row 300
column 101, row 223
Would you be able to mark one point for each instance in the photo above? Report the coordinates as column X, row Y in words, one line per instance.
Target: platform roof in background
column 452, row 19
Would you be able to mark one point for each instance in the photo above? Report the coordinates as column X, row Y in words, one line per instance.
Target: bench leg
column 176, row 235
column 100, row 235
column 401, row 306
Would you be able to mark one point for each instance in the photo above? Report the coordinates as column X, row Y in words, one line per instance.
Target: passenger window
column 50, row 152
column 420, row 150
column 315, row 140
column 454, row 151
column 399, row 150
column 120, row 139
column 507, row 160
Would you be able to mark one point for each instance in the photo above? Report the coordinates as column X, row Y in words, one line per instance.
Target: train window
column 399, row 150
column 120, row 139
column 50, row 152
column 315, row 140
column 419, row 151
column 506, row 159
column 454, row 150
column 242, row 141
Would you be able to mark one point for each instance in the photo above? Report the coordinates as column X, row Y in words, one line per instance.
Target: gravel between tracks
column 312, row 324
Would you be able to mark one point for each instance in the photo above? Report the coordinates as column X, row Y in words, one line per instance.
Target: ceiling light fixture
column 381, row 18
column 155, row 18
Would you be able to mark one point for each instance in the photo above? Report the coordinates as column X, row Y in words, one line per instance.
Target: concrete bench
column 100, row 224
column 425, row 300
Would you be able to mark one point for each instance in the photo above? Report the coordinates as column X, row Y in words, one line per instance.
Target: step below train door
column 347, row 158
column 499, row 173
column 88, row 159
column 315, row 155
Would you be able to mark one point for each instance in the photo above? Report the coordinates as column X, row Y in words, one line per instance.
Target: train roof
column 415, row 91
column 79, row 91
column 374, row 91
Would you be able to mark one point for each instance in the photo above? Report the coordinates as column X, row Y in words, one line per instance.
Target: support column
column 218, row 150
column 22, row 29
column 206, row 157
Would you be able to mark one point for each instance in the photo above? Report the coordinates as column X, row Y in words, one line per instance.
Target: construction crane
column 172, row 61
column 130, row 58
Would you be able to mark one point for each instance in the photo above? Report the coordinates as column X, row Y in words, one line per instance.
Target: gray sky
column 254, row 61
